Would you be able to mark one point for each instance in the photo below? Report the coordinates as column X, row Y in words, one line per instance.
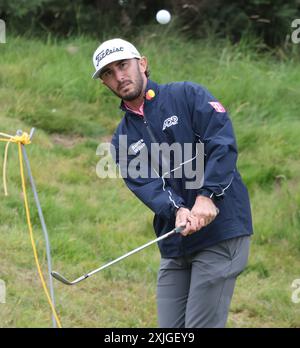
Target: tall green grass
column 48, row 85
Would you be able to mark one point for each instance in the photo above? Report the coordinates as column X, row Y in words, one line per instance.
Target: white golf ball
column 163, row 17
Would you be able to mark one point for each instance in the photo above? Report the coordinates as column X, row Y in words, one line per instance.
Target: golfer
column 200, row 265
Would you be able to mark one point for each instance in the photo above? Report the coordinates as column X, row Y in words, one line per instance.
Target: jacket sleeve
column 212, row 125
column 155, row 193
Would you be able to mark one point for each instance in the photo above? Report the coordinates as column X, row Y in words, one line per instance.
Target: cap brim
column 96, row 74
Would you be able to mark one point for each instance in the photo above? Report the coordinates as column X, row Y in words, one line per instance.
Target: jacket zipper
column 163, row 160
column 155, row 142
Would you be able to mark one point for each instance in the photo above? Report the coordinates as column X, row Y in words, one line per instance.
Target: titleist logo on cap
column 107, row 52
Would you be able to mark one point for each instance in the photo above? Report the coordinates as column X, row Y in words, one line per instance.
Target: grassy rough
column 47, row 85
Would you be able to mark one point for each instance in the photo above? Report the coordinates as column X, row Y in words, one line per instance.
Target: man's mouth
column 124, row 85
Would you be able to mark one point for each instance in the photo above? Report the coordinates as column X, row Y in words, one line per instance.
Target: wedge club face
column 64, row 280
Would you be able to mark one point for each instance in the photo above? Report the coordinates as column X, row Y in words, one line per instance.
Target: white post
column 2, row 31
column 2, row 291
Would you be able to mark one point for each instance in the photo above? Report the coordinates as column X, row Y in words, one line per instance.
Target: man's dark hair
column 147, row 72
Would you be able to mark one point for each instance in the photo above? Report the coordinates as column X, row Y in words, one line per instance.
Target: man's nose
column 119, row 75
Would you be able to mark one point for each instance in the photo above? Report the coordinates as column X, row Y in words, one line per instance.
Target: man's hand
column 182, row 217
column 203, row 213
column 185, row 218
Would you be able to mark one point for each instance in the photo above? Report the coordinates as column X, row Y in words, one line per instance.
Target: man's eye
column 106, row 74
column 123, row 65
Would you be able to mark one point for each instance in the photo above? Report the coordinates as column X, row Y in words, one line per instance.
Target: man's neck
column 136, row 103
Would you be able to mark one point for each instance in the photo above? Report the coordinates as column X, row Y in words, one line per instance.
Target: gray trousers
column 195, row 291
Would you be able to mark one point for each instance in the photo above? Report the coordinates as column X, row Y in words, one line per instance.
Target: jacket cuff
column 210, row 194
column 179, row 205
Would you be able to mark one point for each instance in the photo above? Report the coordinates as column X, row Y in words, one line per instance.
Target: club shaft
column 132, row 252
column 62, row 279
column 124, row 256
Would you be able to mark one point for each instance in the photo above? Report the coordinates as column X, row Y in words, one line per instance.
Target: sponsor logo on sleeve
column 217, row 106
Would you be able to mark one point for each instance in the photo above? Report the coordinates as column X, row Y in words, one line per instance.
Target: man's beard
column 138, row 83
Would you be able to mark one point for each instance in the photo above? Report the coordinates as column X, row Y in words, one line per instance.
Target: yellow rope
column 6, row 135
column 25, row 139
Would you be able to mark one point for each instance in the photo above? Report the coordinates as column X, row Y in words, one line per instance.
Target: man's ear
column 143, row 63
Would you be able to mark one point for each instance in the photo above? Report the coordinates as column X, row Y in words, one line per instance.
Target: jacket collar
column 151, row 92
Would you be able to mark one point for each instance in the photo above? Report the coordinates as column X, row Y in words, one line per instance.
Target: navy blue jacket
column 185, row 112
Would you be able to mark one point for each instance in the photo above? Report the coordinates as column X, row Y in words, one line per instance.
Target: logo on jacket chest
column 136, row 147
column 170, row 121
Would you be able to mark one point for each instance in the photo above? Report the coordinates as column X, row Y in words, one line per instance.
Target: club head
column 59, row 277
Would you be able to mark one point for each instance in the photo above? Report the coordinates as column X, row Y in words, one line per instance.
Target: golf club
column 62, row 279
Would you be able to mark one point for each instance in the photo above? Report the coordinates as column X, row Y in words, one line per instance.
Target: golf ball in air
column 163, row 16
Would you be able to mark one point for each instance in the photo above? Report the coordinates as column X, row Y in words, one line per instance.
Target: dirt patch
column 67, row 141
column 106, row 139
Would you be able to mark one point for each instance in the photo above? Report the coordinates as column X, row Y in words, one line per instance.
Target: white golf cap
column 111, row 51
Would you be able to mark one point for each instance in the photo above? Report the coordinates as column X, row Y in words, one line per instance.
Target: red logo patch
column 217, row 106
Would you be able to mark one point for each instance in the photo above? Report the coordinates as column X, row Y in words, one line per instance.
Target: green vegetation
column 48, row 85
column 265, row 19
